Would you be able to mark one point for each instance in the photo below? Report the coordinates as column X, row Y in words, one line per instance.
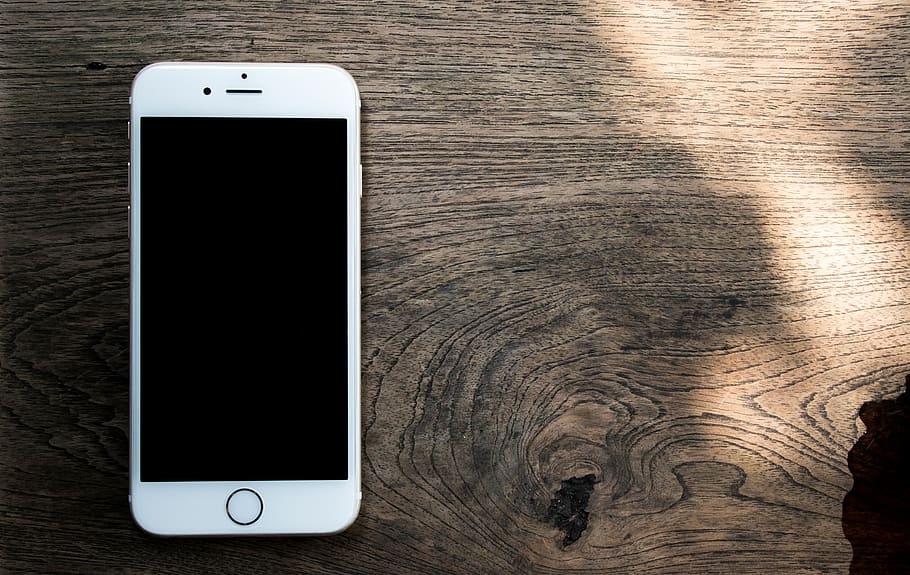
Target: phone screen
column 243, row 309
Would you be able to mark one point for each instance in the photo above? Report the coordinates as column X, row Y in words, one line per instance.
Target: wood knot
column 568, row 507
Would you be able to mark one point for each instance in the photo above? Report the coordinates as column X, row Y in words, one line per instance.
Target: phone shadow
column 876, row 517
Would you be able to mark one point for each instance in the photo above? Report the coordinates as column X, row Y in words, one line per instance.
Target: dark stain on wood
column 877, row 509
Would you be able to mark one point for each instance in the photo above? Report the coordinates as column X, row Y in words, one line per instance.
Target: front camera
column 243, row 75
column 206, row 91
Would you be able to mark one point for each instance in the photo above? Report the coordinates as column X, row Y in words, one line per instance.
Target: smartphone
column 244, row 299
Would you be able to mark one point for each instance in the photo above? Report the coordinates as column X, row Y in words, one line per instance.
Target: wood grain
column 664, row 243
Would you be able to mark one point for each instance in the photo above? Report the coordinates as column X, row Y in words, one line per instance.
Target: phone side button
column 360, row 178
column 129, row 222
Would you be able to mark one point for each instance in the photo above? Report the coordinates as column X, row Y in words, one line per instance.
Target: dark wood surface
column 630, row 271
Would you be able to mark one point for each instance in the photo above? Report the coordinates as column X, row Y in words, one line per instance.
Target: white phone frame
column 288, row 90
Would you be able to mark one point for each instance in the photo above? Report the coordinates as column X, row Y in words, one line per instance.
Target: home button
column 244, row 506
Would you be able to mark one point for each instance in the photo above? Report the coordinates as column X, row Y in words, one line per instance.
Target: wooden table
column 631, row 269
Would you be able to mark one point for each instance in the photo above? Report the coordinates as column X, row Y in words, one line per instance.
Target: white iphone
column 244, row 299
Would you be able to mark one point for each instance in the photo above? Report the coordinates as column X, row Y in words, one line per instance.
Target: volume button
column 129, row 208
column 360, row 178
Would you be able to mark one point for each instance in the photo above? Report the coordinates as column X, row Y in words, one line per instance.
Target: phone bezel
column 287, row 90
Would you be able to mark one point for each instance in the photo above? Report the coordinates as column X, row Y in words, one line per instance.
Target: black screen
column 243, row 311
